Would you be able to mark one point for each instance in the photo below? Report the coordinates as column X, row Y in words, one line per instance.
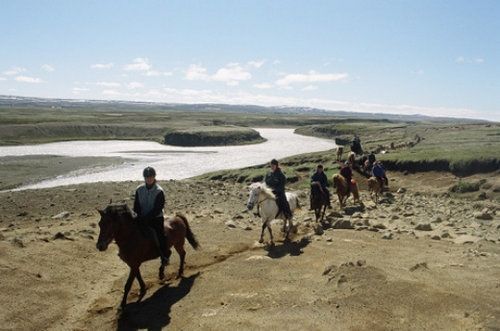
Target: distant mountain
column 7, row 101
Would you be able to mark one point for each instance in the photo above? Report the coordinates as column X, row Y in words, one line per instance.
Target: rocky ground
column 421, row 259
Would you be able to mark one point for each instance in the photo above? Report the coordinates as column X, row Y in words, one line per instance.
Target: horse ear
column 110, row 200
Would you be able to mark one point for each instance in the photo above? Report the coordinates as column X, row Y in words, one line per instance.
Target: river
column 170, row 162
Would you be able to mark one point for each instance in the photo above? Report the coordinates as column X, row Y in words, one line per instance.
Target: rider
column 346, row 172
column 276, row 180
column 148, row 205
column 378, row 172
column 320, row 178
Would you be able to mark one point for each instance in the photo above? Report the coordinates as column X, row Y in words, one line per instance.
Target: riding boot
column 159, row 246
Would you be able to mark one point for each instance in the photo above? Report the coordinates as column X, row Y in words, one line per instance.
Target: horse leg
column 161, row 271
column 128, row 285
column 323, row 214
column 271, row 235
column 264, row 224
column 182, row 254
column 290, row 226
column 141, row 284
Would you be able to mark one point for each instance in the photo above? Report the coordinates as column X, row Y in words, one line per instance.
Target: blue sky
column 438, row 58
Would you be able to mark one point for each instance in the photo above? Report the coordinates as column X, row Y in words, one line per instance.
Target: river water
column 170, row 162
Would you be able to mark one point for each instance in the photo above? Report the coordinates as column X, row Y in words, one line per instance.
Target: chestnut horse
column 136, row 246
column 340, row 183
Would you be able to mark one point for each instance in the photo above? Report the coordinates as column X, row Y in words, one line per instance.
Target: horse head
column 109, row 224
column 253, row 197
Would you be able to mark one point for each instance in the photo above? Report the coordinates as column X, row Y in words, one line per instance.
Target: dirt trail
column 380, row 273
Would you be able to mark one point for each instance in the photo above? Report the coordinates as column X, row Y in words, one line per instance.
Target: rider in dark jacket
column 320, row 177
column 148, row 205
column 276, row 180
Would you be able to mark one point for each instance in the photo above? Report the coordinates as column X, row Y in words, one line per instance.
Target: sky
column 438, row 58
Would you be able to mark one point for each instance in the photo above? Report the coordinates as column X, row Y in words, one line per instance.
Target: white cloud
column 477, row 60
column 263, row 86
column 108, row 84
column 138, row 64
column 27, row 79
column 256, row 64
column 231, row 74
column 310, row 77
column 134, row 85
column 3, row 78
column 102, row 65
column 196, row 72
column 78, row 90
column 48, row 68
column 276, row 61
column 310, row 88
column 111, row 93
column 155, row 73
column 14, row 71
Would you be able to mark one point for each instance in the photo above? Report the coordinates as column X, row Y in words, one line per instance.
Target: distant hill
column 117, row 105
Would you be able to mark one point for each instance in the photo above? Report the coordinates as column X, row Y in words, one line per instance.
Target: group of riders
column 149, row 199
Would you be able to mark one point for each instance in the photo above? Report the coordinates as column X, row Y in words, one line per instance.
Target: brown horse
column 343, row 192
column 375, row 187
column 319, row 201
column 136, row 247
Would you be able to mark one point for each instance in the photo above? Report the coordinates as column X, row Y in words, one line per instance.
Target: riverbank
column 16, row 171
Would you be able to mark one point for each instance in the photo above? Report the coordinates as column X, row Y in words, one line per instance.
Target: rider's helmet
column 149, row 172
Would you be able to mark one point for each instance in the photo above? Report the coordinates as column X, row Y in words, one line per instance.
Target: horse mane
column 118, row 209
column 264, row 189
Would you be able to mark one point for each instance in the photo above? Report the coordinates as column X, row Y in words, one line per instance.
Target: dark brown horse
column 319, row 201
column 136, row 245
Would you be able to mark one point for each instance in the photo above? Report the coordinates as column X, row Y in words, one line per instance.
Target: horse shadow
column 292, row 248
column 154, row 312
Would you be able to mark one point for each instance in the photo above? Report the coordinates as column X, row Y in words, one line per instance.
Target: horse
column 340, row 183
column 262, row 196
column 135, row 247
column 375, row 187
column 319, row 201
column 340, row 151
column 351, row 158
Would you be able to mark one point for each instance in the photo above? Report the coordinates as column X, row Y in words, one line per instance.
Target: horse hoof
column 261, row 240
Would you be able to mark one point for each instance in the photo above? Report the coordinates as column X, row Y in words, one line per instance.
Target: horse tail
column 189, row 234
column 335, row 181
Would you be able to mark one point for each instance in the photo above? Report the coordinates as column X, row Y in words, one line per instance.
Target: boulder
column 343, row 224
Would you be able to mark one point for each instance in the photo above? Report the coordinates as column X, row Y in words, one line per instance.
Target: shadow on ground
column 154, row 312
column 292, row 248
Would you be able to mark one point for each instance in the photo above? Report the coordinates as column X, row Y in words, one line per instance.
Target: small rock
column 60, row 235
column 483, row 215
column 18, row 242
column 329, row 239
column 387, row 236
column 408, row 214
column 318, row 230
column 401, row 190
column 218, row 211
column 257, row 257
column 380, row 226
column 436, row 237
column 361, row 263
column 421, row 265
column 22, row 214
column 230, row 224
column 423, row 227
column 466, row 239
column 61, row 215
column 342, row 279
column 343, row 224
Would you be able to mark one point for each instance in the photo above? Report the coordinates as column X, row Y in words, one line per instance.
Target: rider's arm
column 137, row 206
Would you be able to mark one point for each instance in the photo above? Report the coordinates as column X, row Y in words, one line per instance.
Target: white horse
column 262, row 196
